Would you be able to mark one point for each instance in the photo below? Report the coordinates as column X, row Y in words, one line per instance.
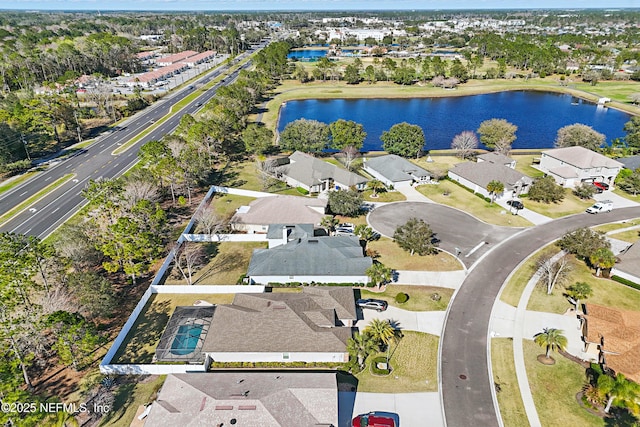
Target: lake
column 538, row 116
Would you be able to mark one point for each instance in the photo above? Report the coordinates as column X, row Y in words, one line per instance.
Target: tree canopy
column 546, row 190
column 583, row 242
column 345, row 133
column 345, row 202
column 497, row 131
column 403, row 139
column 415, row 236
column 579, row 135
column 309, row 136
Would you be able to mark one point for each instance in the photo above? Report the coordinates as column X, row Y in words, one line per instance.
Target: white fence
column 240, row 192
column 208, row 289
column 145, row 369
column 224, row 237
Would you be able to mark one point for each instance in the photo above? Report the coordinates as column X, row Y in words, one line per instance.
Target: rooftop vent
column 313, row 240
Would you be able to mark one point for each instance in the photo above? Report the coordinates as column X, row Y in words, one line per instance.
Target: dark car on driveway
column 602, row 185
column 516, row 204
column 374, row 304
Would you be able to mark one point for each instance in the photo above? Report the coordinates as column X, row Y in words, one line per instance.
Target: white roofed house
column 266, row 211
column 314, row 175
column 570, row 166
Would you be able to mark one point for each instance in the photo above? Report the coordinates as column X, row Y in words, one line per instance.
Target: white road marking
column 478, row 246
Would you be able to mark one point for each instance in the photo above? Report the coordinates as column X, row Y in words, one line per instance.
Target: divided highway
column 48, row 213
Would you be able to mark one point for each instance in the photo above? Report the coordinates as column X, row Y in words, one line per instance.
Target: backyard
column 140, row 343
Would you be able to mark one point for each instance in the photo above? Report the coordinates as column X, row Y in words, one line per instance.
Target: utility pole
column 75, row 116
column 24, row 143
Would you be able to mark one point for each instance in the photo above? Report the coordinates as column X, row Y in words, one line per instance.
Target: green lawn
column 605, row 292
column 140, row 344
column 419, row 297
column 9, row 184
column 227, row 263
column 518, row 281
column 504, row 376
column 554, row 390
column 630, row 236
column 568, row 206
column 414, row 365
column 460, row 198
column 617, row 225
column 439, row 164
column 131, row 392
column 393, row 256
column 524, row 164
column 225, row 205
column 385, row 196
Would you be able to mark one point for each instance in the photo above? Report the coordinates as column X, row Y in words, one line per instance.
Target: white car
column 604, row 206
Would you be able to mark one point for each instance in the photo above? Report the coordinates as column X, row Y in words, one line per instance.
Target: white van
column 603, row 206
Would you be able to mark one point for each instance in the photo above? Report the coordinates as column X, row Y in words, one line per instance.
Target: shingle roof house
column 629, row 265
column 497, row 158
column 265, row 399
column 631, row 163
column 616, row 334
column 570, row 166
column 283, row 327
column 477, row 175
column 322, row 259
column 395, row 171
column 315, row 175
column 265, row 211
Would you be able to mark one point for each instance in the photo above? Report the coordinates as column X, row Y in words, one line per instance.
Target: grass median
column 12, row 183
column 31, row 200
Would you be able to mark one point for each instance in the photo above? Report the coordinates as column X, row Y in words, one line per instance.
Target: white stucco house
column 315, row 175
column 266, row 211
column 311, row 326
column 570, row 166
column 321, row 259
column 477, row 175
column 395, row 171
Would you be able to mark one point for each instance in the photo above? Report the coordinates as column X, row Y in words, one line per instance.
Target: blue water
column 538, row 116
column 307, row 54
column 186, row 339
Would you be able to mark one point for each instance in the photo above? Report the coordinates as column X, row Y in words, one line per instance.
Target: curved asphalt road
column 466, row 383
column 50, row 211
column 455, row 230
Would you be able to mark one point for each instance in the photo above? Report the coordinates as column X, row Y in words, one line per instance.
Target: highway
column 49, row 212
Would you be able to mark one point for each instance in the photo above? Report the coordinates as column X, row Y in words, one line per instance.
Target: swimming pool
column 186, row 339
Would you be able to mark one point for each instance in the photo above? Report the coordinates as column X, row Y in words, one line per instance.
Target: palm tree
column 375, row 185
column 602, row 258
column 578, row 291
column 552, row 339
column 383, row 333
column 620, row 392
column 329, row 223
column 361, row 346
column 494, row 187
column 379, row 274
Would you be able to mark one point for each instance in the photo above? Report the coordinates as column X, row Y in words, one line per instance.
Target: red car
column 601, row 185
column 373, row 419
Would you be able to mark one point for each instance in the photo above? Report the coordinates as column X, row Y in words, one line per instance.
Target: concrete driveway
column 412, row 409
column 454, row 228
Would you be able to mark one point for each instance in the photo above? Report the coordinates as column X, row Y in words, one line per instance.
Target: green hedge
column 374, row 366
column 626, row 282
column 298, row 284
column 302, row 191
column 401, row 297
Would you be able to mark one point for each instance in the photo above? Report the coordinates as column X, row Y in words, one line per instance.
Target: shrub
column 626, row 282
column 302, row 191
column 546, row 190
column 436, row 296
column 374, row 366
column 401, row 297
column 584, row 191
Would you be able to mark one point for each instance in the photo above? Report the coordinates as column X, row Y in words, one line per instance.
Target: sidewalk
column 442, row 279
column 530, row 215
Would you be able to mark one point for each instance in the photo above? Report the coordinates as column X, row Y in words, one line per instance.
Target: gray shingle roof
column 582, row 158
column 296, row 231
column 632, row 162
column 494, row 157
column 281, row 322
column 265, row 399
column 481, row 173
column 283, row 209
column 318, row 256
column 310, row 171
column 630, row 260
column 395, row 168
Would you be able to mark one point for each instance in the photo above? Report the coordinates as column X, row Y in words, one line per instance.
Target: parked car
column 603, row 206
column 373, row 419
column 596, row 189
column 602, row 185
column 374, row 304
column 516, row 204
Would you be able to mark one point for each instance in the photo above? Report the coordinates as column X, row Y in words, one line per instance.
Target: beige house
column 570, row 166
column 265, row 399
column 266, row 211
